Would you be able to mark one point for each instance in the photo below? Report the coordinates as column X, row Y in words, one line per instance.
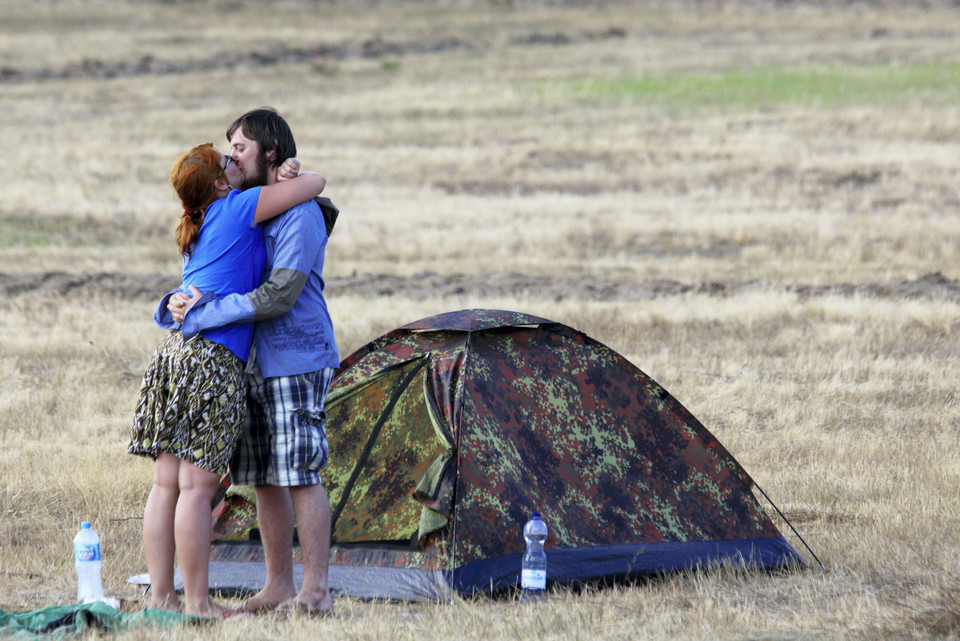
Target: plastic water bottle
column 533, row 571
column 86, row 556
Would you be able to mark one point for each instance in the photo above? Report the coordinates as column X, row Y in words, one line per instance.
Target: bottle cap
column 85, row 525
column 536, row 515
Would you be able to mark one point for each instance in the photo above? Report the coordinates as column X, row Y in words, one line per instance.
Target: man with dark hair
column 284, row 447
column 272, row 139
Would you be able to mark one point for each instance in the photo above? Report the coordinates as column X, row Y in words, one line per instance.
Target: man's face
column 246, row 153
column 231, row 172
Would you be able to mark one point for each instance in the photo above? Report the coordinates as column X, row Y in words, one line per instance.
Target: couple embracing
column 253, row 242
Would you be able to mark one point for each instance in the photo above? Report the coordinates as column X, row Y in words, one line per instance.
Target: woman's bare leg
column 159, row 545
column 192, row 529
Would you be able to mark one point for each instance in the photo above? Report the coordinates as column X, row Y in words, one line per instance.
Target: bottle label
column 533, row 579
column 83, row 553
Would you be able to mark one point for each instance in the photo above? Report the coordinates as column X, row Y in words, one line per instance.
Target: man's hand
column 180, row 303
column 289, row 169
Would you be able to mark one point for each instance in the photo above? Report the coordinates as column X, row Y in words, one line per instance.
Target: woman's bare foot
column 211, row 610
column 169, row 603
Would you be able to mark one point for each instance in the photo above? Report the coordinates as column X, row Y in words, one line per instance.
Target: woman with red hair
column 192, row 401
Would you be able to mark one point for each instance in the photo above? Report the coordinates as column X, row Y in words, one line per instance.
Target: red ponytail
column 194, row 178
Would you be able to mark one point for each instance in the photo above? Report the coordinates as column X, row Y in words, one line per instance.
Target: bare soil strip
column 498, row 284
column 371, row 48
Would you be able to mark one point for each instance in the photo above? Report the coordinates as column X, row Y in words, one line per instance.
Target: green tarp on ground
column 68, row 620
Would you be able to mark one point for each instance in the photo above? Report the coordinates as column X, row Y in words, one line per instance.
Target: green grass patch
column 22, row 231
column 27, row 232
column 762, row 87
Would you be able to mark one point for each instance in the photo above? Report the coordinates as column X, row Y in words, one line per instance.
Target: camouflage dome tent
column 446, row 434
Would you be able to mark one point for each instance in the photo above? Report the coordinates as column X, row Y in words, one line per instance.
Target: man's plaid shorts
column 284, row 441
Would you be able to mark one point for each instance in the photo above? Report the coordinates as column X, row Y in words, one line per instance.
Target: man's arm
column 275, row 297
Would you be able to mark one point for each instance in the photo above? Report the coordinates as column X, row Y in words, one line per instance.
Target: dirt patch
column 934, row 285
column 802, row 517
column 939, row 621
column 492, row 284
column 280, row 54
column 121, row 285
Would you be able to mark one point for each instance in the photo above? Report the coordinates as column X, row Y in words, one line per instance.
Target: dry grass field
column 755, row 202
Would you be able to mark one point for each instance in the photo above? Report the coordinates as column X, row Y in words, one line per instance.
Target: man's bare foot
column 316, row 603
column 299, row 607
column 261, row 602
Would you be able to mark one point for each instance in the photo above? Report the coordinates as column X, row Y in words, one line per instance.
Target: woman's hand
column 289, row 169
column 179, row 304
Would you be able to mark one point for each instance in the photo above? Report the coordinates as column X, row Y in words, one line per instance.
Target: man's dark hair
column 271, row 132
